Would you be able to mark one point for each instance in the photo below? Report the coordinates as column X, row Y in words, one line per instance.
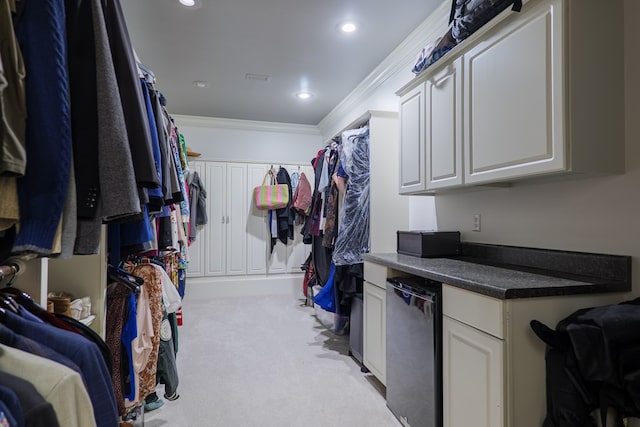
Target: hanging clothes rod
column 9, row 270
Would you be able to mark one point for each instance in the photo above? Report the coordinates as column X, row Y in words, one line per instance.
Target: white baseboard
column 242, row 286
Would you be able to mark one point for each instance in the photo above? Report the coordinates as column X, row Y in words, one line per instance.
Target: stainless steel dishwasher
column 414, row 351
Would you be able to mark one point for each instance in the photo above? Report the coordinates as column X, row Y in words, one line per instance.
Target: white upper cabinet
column 443, row 127
column 514, row 99
column 542, row 94
column 412, row 158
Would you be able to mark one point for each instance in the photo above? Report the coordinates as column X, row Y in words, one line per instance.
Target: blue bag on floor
column 326, row 298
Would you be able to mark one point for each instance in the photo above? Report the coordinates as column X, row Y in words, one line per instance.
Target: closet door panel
column 236, row 218
column 216, row 227
column 277, row 260
column 197, row 247
column 257, row 227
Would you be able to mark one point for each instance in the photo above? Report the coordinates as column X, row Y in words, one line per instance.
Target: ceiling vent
column 258, row 77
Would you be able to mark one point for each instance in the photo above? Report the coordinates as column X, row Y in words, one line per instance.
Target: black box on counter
column 429, row 244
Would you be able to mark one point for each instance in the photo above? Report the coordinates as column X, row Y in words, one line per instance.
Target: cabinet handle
column 227, row 219
column 223, row 219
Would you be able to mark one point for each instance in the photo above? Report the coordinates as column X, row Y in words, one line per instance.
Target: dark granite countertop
column 509, row 272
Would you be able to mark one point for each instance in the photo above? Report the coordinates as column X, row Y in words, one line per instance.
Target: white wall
column 377, row 91
column 591, row 215
column 247, row 141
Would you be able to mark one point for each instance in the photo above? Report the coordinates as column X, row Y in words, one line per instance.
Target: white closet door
column 236, row 218
column 216, row 227
column 257, row 227
column 277, row 259
column 196, row 248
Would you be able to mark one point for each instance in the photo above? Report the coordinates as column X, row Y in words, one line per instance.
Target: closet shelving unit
column 80, row 275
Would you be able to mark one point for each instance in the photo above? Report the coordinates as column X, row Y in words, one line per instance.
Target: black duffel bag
column 469, row 15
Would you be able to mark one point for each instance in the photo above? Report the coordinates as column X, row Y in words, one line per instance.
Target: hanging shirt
column 59, row 385
column 36, row 410
column 82, row 352
column 43, row 189
column 170, row 296
column 11, row 401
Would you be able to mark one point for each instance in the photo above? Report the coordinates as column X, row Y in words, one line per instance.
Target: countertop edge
column 584, row 287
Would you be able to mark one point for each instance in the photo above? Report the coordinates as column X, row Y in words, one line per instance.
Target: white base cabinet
column 473, row 372
column 493, row 364
column 375, row 331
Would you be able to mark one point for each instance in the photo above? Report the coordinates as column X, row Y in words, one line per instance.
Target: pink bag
column 302, row 196
column 274, row 196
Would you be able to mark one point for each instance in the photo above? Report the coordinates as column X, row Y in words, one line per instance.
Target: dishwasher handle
column 401, row 287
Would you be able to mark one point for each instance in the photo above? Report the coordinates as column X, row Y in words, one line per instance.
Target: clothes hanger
column 7, row 299
column 9, row 270
column 8, row 303
column 19, row 297
column 130, row 281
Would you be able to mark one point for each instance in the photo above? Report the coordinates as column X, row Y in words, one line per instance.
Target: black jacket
column 286, row 215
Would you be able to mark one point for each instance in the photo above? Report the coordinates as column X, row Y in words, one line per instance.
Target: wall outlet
column 476, row 222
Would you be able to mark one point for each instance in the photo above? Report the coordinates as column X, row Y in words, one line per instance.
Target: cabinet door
column 277, row 258
column 257, row 227
column 197, row 247
column 473, row 376
column 375, row 331
column 443, row 127
column 412, row 143
column 513, row 102
column 215, row 261
column 236, row 218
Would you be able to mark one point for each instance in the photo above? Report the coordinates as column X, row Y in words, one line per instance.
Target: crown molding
column 401, row 59
column 250, row 125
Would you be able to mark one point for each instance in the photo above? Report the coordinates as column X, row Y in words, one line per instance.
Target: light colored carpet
column 263, row 362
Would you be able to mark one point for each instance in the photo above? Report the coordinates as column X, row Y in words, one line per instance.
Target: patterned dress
column 153, row 285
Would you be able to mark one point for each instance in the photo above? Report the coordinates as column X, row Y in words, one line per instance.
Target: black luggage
column 469, row 15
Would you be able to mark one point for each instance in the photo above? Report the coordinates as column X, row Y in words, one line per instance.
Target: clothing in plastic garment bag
column 353, row 232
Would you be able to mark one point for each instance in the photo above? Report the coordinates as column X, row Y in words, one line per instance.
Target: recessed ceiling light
column 348, row 27
column 304, row 95
column 190, row 4
column 201, row 84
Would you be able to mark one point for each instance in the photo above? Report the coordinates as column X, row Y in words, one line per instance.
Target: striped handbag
column 273, row 196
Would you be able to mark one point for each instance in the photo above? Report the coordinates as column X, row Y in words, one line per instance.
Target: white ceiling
column 296, row 42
